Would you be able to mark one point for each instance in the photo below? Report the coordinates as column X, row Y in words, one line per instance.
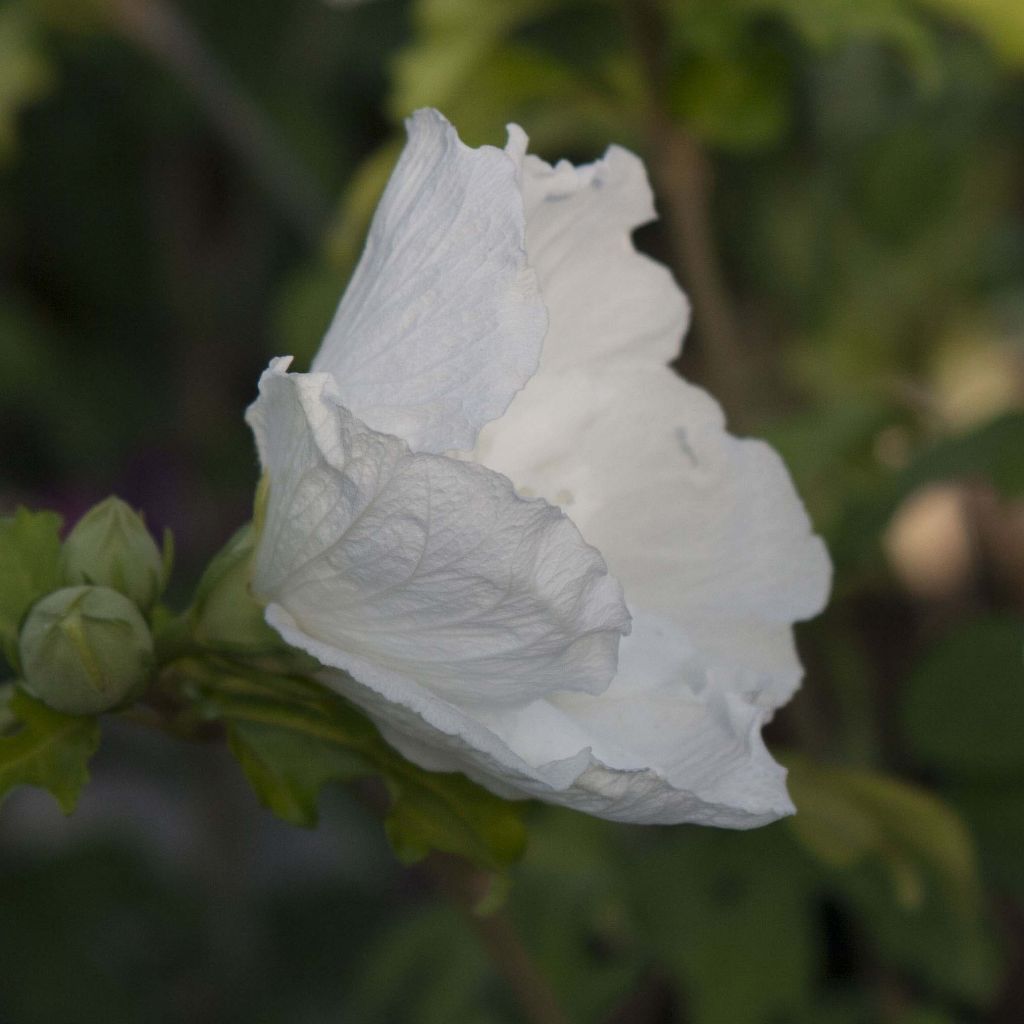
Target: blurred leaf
column 75, row 15
column 963, row 708
column 737, row 99
column 575, row 912
column 731, row 915
column 26, row 73
column 427, row 968
column 487, row 62
column 293, row 736
column 929, row 915
column 999, row 22
column 348, row 233
column 829, row 451
column 48, row 750
column 989, row 453
column 308, row 299
column 822, row 24
column 95, row 930
column 909, row 180
column 995, row 811
column 454, row 38
column 29, row 569
column 846, row 815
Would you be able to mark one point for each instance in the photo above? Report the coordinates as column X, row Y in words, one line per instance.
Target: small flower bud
column 225, row 615
column 111, row 547
column 85, row 650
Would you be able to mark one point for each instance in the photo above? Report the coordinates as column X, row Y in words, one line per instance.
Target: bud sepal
column 111, row 547
column 85, row 650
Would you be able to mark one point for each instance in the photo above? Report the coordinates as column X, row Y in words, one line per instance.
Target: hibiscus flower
column 507, row 529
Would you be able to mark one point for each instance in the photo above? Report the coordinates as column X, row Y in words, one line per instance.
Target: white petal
column 702, row 529
column 442, row 322
column 646, row 751
column 604, row 299
column 413, row 567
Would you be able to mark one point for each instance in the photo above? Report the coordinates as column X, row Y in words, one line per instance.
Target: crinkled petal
column 404, row 566
column 646, row 751
column 701, row 528
column 442, row 322
column 605, row 300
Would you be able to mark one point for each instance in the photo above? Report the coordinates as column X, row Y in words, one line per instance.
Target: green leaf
column 292, row 737
column 846, row 815
column 963, row 708
column 999, row 22
column 25, row 73
column 453, row 39
column 435, row 811
column 29, row 569
column 486, row 62
column 426, row 968
column 824, row 25
column 287, row 770
column 989, row 453
column 995, row 812
column 905, row 862
column 737, row 99
column 48, row 750
column 732, row 916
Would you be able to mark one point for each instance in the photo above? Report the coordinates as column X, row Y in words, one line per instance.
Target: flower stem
column 160, row 28
column 465, row 887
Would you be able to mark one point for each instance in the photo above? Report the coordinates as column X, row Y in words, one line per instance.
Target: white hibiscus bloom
column 491, row 400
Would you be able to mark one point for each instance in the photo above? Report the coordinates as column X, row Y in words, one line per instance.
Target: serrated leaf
column 287, row 770
column 434, row 811
column 48, row 750
column 292, row 737
column 29, row 569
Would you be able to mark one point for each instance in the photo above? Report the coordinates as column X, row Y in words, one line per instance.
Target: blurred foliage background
column 184, row 186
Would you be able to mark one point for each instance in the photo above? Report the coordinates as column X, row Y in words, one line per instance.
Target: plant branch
column 685, row 184
column 466, row 888
column 158, row 27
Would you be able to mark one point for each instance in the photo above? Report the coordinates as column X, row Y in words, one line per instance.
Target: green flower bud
column 111, row 547
column 85, row 650
column 225, row 615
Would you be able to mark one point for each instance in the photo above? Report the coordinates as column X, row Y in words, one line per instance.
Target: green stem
column 173, row 640
column 512, row 961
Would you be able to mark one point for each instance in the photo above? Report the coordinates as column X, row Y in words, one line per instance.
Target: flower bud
column 85, row 650
column 225, row 615
column 111, row 547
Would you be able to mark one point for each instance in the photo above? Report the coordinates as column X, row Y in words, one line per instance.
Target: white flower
column 472, row 620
